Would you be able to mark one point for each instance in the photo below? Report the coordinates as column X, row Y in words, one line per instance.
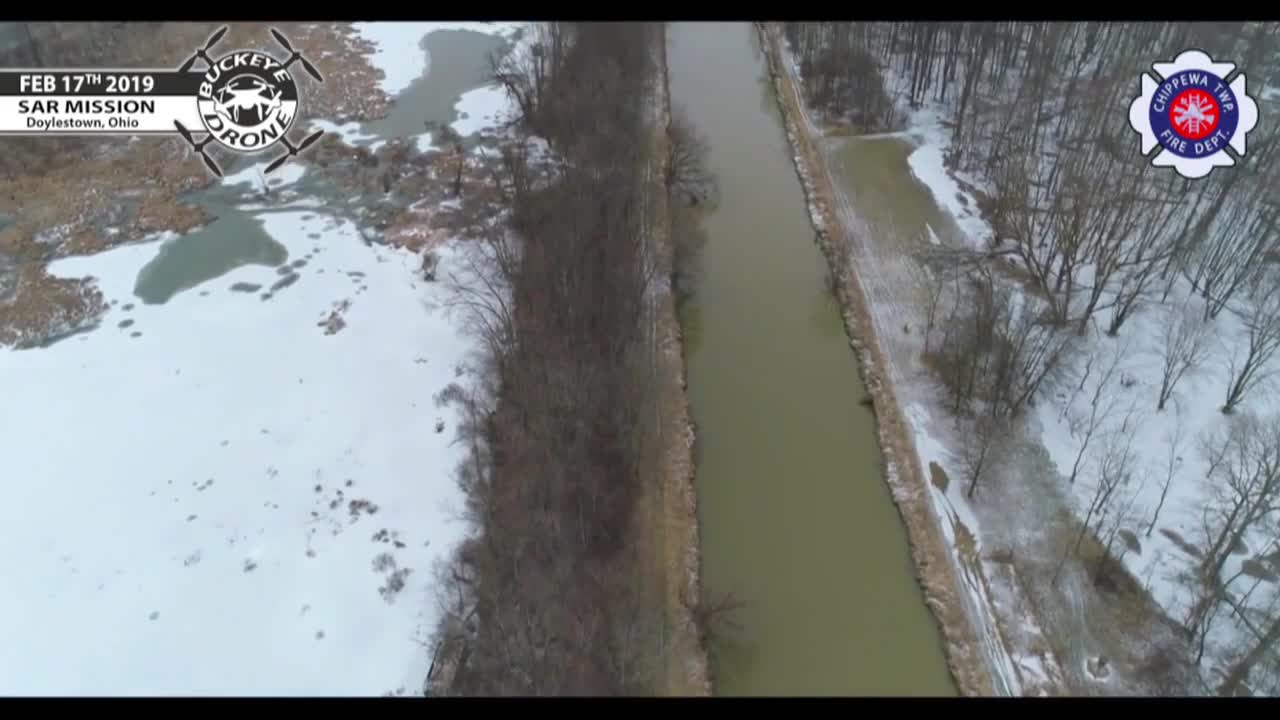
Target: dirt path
column 936, row 565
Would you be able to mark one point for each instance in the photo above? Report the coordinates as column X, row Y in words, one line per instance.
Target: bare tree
column 1204, row 624
column 1248, row 365
column 530, row 73
column 1149, row 251
column 453, row 161
column 1173, row 463
column 1114, row 466
column 937, row 286
column 1103, row 402
column 1112, row 524
column 1245, row 487
column 1027, row 350
column 1262, row 647
column 1240, row 670
column 1244, row 479
column 980, row 450
column 1183, row 348
column 1090, row 360
column 688, row 174
column 1236, row 236
column 970, row 328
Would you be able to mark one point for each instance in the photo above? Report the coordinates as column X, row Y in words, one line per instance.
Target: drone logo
column 247, row 101
column 1193, row 114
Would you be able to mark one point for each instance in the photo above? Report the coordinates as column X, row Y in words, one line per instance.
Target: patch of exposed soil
column 938, row 477
column 414, row 229
column 45, row 307
column 334, row 321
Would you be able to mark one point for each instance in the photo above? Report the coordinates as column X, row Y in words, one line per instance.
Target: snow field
column 1161, row 566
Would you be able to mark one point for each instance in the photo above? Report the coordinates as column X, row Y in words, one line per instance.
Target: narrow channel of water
column 796, row 518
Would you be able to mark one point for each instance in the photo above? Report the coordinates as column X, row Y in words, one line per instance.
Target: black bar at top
column 167, row 82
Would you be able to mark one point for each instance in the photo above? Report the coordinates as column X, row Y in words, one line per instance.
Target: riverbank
column 687, row 663
column 937, row 567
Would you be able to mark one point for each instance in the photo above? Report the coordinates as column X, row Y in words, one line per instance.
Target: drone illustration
column 203, row 53
column 246, row 100
column 198, row 147
column 306, row 142
column 295, row 56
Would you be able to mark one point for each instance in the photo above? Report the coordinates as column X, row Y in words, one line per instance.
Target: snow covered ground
column 927, row 164
column 1160, row 564
column 480, row 108
column 225, row 494
column 1192, row 414
column 194, row 516
column 350, row 132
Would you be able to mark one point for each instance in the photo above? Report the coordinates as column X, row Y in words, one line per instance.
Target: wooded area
column 543, row 599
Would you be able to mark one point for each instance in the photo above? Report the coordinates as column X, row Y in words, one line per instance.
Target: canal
column 796, row 518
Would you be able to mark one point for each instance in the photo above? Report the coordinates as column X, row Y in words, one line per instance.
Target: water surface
column 796, row 518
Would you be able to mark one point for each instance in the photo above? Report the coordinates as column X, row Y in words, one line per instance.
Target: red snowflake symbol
column 1194, row 113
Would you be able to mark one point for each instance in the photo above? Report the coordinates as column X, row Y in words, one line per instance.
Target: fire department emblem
column 1193, row 114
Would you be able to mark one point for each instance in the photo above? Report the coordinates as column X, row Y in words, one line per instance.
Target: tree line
column 542, row 599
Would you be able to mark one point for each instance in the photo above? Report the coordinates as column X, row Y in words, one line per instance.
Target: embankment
column 687, row 673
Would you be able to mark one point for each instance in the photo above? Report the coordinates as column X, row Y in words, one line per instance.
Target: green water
column 795, row 516
column 900, row 209
column 235, row 239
